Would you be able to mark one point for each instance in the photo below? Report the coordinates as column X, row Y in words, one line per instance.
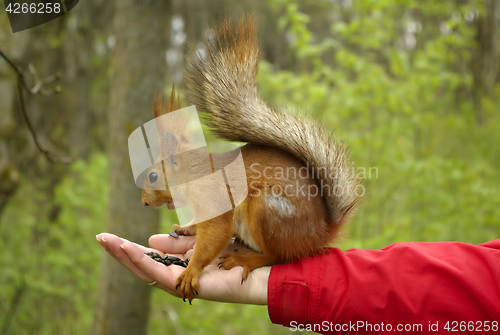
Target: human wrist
column 256, row 290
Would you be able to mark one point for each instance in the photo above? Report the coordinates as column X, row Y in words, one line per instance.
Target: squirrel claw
column 187, row 283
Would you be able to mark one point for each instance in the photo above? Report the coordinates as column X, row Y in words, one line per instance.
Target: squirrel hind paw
column 247, row 259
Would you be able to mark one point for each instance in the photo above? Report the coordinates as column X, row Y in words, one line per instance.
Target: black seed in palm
column 153, row 254
column 167, row 260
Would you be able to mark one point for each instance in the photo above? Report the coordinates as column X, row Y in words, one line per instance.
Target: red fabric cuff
column 295, row 291
column 281, row 294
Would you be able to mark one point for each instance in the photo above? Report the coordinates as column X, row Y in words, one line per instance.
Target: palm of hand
column 215, row 284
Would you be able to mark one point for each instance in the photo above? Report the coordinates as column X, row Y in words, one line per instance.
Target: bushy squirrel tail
column 223, row 86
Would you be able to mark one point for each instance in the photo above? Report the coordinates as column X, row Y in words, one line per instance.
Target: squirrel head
column 174, row 139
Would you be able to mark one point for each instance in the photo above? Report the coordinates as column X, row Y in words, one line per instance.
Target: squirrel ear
column 169, row 145
column 159, row 105
column 161, row 108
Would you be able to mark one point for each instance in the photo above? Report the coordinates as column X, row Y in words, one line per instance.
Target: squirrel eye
column 153, row 176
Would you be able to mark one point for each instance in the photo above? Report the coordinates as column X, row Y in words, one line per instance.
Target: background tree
column 138, row 66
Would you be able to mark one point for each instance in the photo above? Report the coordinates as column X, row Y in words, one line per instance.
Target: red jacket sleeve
column 441, row 286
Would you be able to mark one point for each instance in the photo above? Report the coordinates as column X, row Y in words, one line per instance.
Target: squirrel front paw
column 187, row 283
column 180, row 231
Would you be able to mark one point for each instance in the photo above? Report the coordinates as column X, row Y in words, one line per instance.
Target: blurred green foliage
column 56, row 260
column 403, row 107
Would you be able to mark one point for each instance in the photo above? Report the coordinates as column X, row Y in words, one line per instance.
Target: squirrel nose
column 145, row 203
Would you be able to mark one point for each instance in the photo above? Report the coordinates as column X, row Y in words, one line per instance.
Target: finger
column 111, row 244
column 107, row 237
column 164, row 275
column 189, row 253
column 170, row 244
column 100, row 236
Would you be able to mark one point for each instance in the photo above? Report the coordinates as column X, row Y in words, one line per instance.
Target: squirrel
column 277, row 221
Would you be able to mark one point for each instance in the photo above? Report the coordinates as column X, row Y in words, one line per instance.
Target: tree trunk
column 141, row 30
column 485, row 60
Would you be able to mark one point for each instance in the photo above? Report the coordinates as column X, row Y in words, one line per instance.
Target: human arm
column 404, row 284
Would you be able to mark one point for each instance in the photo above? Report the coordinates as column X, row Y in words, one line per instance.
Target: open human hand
column 214, row 284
